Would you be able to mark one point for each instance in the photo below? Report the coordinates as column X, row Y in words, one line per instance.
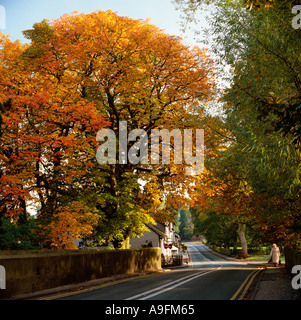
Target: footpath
column 273, row 283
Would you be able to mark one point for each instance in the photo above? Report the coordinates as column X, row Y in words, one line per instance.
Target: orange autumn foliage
column 83, row 72
column 47, row 141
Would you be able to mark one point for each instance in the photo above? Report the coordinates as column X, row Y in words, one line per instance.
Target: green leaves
column 18, row 235
column 41, row 32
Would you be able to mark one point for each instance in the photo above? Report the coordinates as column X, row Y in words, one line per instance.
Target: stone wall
column 292, row 258
column 31, row 271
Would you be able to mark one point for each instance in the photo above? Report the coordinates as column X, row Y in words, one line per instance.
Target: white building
column 160, row 235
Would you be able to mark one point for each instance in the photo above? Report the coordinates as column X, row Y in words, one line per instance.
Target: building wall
column 137, row 243
column 167, row 229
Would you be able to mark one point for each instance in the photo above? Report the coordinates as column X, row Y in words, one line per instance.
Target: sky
column 19, row 15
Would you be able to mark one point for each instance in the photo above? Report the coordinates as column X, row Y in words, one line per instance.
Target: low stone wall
column 292, row 258
column 31, row 271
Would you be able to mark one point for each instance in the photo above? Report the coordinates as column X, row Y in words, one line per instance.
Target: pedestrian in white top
column 275, row 255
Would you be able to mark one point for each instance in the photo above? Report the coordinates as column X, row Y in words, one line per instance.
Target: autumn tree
column 81, row 73
column 263, row 110
column 47, row 146
column 260, row 164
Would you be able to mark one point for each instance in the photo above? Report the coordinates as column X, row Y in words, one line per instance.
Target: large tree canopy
column 81, row 73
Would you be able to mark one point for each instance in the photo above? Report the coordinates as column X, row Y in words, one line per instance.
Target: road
column 209, row 277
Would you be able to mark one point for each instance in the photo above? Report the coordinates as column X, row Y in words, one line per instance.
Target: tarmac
column 271, row 283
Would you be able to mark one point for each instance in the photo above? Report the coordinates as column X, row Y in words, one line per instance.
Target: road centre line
column 199, row 253
column 169, row 286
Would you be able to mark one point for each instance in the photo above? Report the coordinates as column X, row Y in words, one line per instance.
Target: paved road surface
column 209, row 277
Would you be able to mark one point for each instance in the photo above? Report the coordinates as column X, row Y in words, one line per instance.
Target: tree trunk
column 117, row 244
column 234, row 226
column 242, row 235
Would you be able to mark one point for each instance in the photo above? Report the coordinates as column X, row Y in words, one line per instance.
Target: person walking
column 275, row 255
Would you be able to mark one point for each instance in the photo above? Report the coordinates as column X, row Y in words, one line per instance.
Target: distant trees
column 184, row 225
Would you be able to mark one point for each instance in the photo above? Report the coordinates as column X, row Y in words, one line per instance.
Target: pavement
column 272, row 283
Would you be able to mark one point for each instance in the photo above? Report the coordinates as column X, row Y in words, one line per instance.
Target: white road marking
column 169, row 286
column 193, row 249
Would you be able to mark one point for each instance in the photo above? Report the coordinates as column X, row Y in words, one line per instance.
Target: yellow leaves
column 256, row 4
column 245, row 188
column 122, row 51
column 153, row 190
column 70, row 224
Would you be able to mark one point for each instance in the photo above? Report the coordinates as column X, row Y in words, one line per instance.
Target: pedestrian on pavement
column 275, row 255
